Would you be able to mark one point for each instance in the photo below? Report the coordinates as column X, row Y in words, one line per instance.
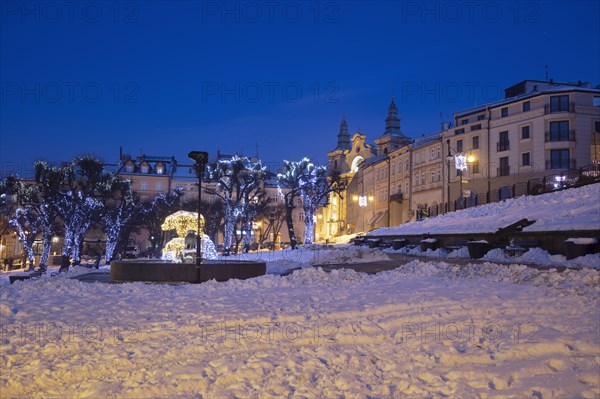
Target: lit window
column 145, row 169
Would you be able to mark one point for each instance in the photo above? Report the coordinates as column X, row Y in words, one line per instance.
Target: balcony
column 565, row 164
column 502, row 146
column 549, row 109
column 559, row 136
column 398, row 197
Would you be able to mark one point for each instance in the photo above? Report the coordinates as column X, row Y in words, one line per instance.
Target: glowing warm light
column 355, row 198
column 183, row 222
column 470, row 159
column 320, row 216
column 371, row 198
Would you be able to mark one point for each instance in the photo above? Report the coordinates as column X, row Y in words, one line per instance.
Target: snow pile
column 572, row 209
column 533, row 256
column 316, row 254
column 345, row 239
column 584, row 282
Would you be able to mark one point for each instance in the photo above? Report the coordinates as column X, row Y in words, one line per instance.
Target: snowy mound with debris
column 572, row 209
column 310, row 255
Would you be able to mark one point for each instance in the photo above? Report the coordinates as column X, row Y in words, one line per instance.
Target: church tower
column 343, row 136
column 393, row 138
column 392, row 122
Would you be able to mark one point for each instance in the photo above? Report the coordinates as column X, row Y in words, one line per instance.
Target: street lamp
column 363, row 201
column 201, row 158
column 460, row 161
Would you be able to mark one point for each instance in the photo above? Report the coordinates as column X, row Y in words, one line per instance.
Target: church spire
column 392, row 122
column 343, row 136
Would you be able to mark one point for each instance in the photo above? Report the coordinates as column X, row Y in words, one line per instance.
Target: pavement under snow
column 428, row 329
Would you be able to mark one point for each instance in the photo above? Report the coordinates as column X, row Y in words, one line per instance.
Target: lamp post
column 201, row 158
column 363, row 201
column 448, row 159
column 460, row 161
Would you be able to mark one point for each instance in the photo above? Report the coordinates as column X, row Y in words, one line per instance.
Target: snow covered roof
column 373, row 160
column 424, row 140
column 549, row 90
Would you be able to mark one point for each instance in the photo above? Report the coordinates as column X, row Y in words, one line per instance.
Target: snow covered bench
column 519, row 247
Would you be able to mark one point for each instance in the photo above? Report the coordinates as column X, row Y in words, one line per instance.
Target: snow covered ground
column 573, row 209
column 428, row 329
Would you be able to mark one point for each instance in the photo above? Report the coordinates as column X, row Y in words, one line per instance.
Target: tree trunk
column 46, row 246
column 309, row 222
column 289, row 209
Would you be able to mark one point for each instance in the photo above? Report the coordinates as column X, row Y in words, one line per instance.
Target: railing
column 502, row 146
column 559, row 136
column 549, row 109
column 564, row 179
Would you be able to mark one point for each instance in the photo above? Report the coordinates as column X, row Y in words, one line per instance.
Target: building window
column 504, row 169
column 559, row 159
column 559, row 131
column 559, row 103
column 459, row 131
column 145, row 169
column 459, row 146
column 596, row 101
column 504, row 112
column 475, row 167
column 527, row 106
column 481, row 117
column 476, row 127
column 526, row 159
column 160, row 169
column 439, row 151
column 524, row 132
column 144, row 186
column 129, row 168
column 464, row 121
column 475, row 142
column 159, row 186
column 503, row 143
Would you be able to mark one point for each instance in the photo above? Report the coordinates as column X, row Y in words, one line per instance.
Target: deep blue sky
column 170, row 72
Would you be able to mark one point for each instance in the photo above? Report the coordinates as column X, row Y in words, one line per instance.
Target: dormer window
column 160, row 169
column 129, row 168
column 145, row 168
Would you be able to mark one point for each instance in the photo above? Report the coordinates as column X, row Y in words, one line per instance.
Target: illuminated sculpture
column 186, row 223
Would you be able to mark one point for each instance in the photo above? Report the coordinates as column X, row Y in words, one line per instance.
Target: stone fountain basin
column 165, row 271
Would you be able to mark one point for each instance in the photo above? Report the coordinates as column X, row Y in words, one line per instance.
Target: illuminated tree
column 26, row 222
column 118, row 213
column 239, row 181
column 290, row 181
column 155, row 212
column 314, row 193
